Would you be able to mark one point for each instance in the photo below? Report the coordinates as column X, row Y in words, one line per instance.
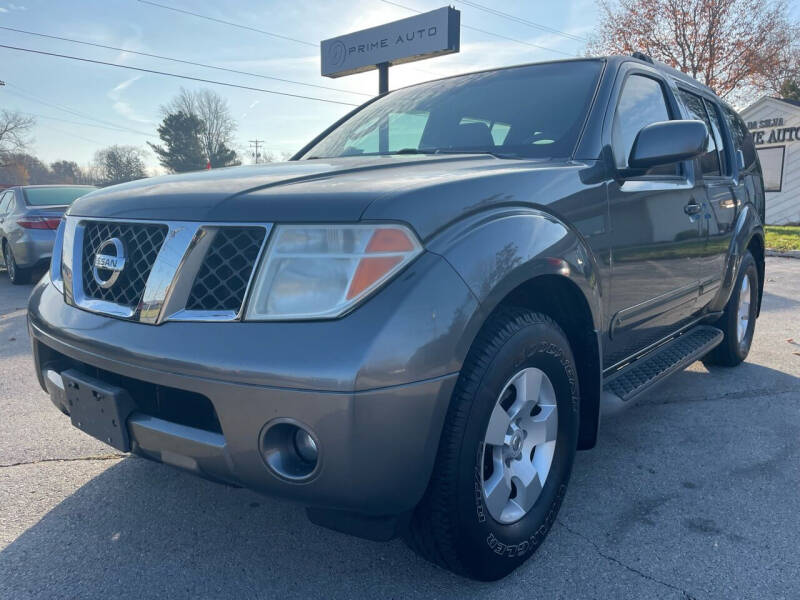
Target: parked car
column 409, row 326
column 29, row 217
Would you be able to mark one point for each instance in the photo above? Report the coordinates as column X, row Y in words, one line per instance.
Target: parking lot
column 693, row 492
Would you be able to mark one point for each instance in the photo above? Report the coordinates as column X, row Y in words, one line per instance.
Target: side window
column 716, row 127
column 641, row 103
column 742, row 140
column 709, row 160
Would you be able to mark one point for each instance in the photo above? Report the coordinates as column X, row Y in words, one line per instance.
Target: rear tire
column 738, row 322
column 455, row 526
column 17, row 275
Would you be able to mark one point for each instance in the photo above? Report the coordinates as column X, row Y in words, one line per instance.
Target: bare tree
column 738, row 48
column 118, row 164
column 14, row 128
column 218, row 124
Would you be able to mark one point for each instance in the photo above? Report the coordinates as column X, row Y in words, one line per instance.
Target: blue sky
column 45, row 86
column 63, row 93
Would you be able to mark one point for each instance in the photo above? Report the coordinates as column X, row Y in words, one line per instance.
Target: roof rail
column 643, row 56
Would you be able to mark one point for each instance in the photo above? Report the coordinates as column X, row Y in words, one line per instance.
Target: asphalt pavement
column 693, row 492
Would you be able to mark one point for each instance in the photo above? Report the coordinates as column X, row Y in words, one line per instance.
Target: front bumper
column 373, row 387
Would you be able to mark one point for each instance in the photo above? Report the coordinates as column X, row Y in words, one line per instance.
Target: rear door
column 656, row 237
column 716, row 168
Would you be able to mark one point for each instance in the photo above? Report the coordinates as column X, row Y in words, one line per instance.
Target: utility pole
column 254, row 144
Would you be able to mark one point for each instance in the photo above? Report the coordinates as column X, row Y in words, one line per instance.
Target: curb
column 783, row 253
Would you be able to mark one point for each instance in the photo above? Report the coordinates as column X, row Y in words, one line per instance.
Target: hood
column 308, row 190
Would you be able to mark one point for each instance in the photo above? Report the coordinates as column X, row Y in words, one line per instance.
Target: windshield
column 55, row 195
column 533, row 111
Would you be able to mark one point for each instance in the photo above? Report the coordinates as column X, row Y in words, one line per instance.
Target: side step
column 675, row 355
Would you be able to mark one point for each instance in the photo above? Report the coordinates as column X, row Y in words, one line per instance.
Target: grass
column 783, row 237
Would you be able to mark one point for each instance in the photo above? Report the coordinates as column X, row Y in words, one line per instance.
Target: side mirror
column 667, row 142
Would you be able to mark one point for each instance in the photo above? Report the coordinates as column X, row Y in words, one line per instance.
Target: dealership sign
column 415, row 38
column 772, row 131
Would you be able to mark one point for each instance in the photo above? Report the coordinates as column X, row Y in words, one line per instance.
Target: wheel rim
column 10, row 267
column 743, row 314
column 519, row 445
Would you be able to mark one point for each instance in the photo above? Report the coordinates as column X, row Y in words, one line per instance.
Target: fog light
column 289, row 449
column 305, row 446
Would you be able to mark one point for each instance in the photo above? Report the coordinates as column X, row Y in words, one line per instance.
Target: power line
column 155, row 72
column 240, row 26
column 491, row 33
column 40, row 116
column 517, row 19
column 24, row 94
column 248, row 28
column 182, row 61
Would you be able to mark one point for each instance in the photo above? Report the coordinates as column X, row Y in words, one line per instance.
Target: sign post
column 422, row 36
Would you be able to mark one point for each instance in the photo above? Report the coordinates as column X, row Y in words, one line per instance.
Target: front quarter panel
column 498, row 251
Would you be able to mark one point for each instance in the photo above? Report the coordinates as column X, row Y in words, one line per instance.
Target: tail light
column 39, row 222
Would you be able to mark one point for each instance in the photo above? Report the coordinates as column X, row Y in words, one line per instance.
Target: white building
column 775, row 125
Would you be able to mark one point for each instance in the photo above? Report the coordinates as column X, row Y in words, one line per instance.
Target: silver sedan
column 29, row 217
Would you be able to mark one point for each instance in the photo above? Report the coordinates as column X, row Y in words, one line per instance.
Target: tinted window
column 719, row 140
column 641, row 103
column 531, row 111
column 55, row 195
column 742, row 140
column 709, row 161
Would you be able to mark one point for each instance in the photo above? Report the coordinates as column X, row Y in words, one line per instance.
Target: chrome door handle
column 692, row 209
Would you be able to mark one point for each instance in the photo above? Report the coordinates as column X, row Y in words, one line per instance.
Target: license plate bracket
column 99, row 409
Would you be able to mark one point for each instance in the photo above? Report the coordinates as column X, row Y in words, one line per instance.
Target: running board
column 671, row 357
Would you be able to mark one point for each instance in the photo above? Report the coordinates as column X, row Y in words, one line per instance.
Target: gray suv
column 29, row 217
column 409, row 327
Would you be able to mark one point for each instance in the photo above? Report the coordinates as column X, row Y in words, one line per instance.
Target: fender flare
column 748, row 225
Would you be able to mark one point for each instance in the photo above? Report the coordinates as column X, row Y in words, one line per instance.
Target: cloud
column 122, row 107
column 2, row 10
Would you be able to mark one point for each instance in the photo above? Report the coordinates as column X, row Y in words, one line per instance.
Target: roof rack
column 643, row 56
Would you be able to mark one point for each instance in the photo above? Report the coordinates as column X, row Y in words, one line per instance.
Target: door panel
column 656, row 244
column 720, row 206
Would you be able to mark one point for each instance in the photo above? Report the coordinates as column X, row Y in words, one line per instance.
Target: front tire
column 506, row 451
column 738, row 322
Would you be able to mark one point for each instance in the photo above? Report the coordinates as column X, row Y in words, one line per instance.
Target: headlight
column 320, row 271
column 55, row 260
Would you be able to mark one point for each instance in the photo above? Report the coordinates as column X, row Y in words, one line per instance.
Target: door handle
column 693, row 208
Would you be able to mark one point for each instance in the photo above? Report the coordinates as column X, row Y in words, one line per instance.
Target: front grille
column 142, row 243
column 222, row 279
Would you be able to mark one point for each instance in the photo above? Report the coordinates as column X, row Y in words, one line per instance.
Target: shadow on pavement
column 145, row 530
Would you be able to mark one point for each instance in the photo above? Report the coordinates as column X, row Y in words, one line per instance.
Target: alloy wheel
column 519, row 445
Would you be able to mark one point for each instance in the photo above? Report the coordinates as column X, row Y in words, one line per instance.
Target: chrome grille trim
column 171, row 277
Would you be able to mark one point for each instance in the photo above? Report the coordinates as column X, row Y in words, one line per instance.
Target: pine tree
column 182, row 150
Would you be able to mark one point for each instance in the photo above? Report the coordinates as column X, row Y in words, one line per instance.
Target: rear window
column 54, row 196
